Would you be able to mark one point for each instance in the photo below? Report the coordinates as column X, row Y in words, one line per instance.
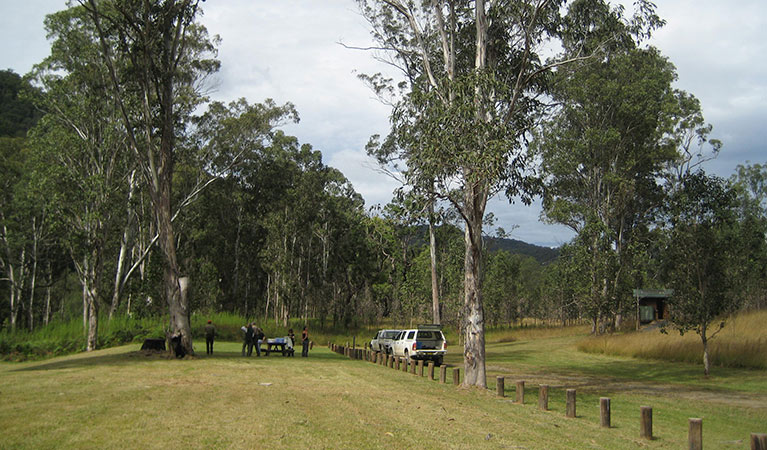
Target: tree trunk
column 433, row 256
column 706, row 362
column 124, row 244
column 474, row 321
column 35, row 239
column 47, row 316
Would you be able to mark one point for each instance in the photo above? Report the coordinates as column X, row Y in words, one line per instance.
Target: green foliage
column 700, row 252
column 17, row 113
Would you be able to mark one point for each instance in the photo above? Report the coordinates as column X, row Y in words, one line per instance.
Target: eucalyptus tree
column 750, row 185
column 233, row 144
column 82, row 157
column 474, row 77
column 701, row 260
column 619, row 125
column 24, row 215
column 157, row 56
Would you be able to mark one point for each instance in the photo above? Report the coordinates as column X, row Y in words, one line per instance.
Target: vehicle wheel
column 438, row 361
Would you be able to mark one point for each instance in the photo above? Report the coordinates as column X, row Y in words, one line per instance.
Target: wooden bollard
column 404, row 364
column 420, row 367
column 412, row 366
column 645, row 425
column 758, row 441
column 521, row 392
column 543, row 397
column 570, row 403
column 442, row 374
column 456, row 376
column 398, row 363
column 604, row 412
column 431, row 370
column 695, row 434
column 499, row 387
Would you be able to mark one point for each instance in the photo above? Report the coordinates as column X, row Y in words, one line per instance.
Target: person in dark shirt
column 210, row 334
column 249, row 339
column 305, row 342
column 258, row 337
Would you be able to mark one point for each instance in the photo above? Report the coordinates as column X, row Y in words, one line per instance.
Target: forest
column 126, row 192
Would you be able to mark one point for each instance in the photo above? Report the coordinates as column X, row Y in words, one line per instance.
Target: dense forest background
column 259, row 226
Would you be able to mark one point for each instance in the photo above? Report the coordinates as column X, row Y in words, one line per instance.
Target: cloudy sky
column 289, row 50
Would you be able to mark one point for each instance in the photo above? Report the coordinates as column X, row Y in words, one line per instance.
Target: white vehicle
column 383, row 340
column 426, row 342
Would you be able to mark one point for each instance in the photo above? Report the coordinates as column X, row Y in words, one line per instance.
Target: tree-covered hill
column 543, row 255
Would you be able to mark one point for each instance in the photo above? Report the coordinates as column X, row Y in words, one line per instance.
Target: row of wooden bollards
column 694, row 435
column 403, row 364
column 695, row 432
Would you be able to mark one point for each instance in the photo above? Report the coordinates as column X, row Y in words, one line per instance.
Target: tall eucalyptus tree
column 474, row 76
column 157, row 55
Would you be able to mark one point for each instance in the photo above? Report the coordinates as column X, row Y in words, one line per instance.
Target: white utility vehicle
column 426, row 342
column 383, row 340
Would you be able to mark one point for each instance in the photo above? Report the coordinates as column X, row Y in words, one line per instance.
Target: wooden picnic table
column 275, row 345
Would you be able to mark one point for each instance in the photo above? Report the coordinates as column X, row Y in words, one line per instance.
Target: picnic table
column 275, row 345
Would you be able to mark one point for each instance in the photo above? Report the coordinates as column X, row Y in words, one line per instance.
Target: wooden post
column 758, row 441
column 570, row 403
column 404, row 364
column 645, row 428
column 520, row 392
column 420, row 367
column 499, row 387
column 456, row 376
column 695, row 434
column 431, row 370
column 543, row 397
column 398, row 362
column 412, row 366
column 604, row 412
column 442, row 374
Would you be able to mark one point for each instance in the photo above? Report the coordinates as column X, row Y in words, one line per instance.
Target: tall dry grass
column 742, row 343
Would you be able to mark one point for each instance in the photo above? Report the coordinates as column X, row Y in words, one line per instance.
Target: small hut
column 652, row 304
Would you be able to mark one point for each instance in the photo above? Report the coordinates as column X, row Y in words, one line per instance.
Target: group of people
column 254, row 336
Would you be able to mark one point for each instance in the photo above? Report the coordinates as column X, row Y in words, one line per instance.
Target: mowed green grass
column 120, row 398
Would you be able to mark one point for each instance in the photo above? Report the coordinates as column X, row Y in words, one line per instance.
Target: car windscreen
column 390, row 334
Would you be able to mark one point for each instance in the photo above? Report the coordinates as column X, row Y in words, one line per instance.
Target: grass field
column 741, row 343
column 122, row 398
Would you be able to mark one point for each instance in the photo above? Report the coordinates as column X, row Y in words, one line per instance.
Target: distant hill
column 543, row 255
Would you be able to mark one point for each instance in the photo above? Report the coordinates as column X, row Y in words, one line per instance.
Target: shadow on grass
column 129, row 357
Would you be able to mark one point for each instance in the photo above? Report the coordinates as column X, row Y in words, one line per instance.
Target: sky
column 290, row 51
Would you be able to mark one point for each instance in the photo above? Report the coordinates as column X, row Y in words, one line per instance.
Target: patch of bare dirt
column 594, row 385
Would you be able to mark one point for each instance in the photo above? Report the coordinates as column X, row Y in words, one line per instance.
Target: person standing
column 248, row 342
column 210, row 335
column 291, row 343
column 258, row 338
column 305, row 342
